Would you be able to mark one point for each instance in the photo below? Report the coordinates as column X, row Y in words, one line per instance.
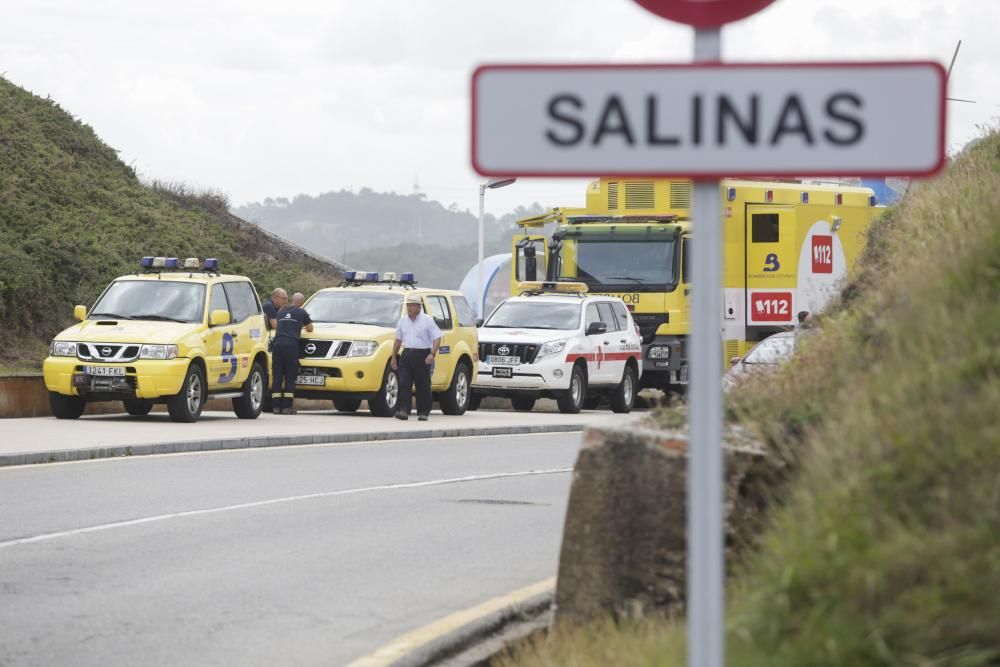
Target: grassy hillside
column 884, row 547
column 73, row 216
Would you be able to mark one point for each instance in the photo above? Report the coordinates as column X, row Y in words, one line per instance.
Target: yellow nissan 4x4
column 174, row 333
column 346, row 357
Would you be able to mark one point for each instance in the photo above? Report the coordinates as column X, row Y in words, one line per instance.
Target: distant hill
column 380, row 231
column 73, row 216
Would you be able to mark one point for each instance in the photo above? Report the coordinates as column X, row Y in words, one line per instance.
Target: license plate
column 105, row 371
column 503, row 372
column 314, row 380
column 505, row 361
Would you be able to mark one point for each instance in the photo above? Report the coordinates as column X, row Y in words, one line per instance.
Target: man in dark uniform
column 279, row 298
column 285, row 354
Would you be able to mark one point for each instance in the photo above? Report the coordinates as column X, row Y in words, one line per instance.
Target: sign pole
column 705, row 566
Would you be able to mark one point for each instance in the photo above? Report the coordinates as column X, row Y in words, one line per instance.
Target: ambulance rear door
column 772, row 255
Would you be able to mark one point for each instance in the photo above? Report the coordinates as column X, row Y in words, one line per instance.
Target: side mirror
column 735, row 360
column 596, row 328
column 479, row 322
column 80, row 313
column 218, row 318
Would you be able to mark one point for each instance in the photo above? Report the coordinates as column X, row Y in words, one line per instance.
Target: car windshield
column 351, row 307
column 771, row 351
column 160, row 300
column 538, row 315
column 626, row 263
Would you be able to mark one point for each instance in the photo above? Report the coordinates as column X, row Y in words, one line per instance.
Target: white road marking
column 274, row 501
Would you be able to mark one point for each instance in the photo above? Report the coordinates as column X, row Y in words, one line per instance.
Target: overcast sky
column 268, row 99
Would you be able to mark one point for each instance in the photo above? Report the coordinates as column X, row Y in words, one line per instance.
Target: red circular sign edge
column 704, row 13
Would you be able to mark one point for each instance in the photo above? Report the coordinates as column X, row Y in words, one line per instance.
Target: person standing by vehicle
column 279, row 298
column 285, row 354
column 420, row 336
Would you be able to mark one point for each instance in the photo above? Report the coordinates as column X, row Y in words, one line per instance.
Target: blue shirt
column 419, row 333
column 291, row 319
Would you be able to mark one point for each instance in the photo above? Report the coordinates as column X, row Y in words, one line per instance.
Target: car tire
column 137, row 407
column 623, row 396
column 250, row 404
column 522, row 403
column 66, row 407
column 592, row 402
column 187, row 404
column 383, row 404
column 455, row 401
column 475, row 400
column 345, row 404
column 571, row 401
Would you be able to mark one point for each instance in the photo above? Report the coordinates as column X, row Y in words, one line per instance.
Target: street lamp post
column 491, row 184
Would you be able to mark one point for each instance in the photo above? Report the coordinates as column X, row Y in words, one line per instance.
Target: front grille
column 320, row 349
column 107, row 351
column 612, row 196
column 526, row 351
column 648, row 323
column 312, row 370
column 639, row 194
column 680, row 194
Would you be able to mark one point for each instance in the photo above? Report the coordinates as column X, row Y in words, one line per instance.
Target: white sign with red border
column 709, row 120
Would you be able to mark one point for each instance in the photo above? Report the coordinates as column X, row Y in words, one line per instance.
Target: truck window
column 464, row 312
column 685, row 261
column 621, row 313
column 440, row 312
column 242, row 300
column 592, row 316
column 217, row 300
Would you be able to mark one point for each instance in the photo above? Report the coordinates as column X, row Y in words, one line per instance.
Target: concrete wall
column 624, row 543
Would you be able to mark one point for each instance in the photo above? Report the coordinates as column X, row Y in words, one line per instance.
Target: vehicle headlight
column 552, row 347
column 158, row 352
column 363, row 348
column 659, row 352
column 62, row 348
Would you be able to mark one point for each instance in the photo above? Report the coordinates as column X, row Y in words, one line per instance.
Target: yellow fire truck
column 787, row 247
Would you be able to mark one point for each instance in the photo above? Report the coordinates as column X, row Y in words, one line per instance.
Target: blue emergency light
column 171, row 263
column 146, row 262
column 211, row 264
column 731, row 193
column 372, row 276
column 805, row 197
column 872, row 200
column 407, row 278
column 350, row 275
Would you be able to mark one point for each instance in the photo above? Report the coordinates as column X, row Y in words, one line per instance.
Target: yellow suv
column 346, row 357
column 174, row 333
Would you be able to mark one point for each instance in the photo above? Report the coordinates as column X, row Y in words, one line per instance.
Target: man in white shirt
column 419, row 336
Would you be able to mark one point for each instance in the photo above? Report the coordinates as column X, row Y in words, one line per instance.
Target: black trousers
column 414, row 370
column 285, row 367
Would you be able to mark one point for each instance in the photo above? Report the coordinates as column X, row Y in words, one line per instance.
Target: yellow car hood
column 128, row 331
column 335, row 331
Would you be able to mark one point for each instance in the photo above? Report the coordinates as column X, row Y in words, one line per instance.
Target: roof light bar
column 171, row 263
column 159, row 262
column 407, row 278
column 211, row 264
column 192, row 263
column 350, row 275
column 372, row 276
column 146, row 262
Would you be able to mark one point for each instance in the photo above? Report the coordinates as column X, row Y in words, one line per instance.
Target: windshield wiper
column 636, row 280
column 114, row 316
column 159, row 318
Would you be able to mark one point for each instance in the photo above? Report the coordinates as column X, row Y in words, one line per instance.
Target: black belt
column 425, row 350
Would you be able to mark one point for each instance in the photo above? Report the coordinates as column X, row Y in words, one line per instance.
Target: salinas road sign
column 709, row 120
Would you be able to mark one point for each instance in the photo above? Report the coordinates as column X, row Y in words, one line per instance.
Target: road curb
column 246, row 442
column 452, row 647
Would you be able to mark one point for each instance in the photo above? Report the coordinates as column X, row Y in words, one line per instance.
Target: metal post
column 480, row 298
column 705, row 565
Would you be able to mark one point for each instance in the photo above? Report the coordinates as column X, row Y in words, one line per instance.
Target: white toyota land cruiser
column 556, row 341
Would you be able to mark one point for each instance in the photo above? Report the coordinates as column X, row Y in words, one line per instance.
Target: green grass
column 73, row 217
column 883, row 545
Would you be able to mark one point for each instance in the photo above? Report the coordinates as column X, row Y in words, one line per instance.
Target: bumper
column 144, row 378
column 544, row 376
column 358, row 375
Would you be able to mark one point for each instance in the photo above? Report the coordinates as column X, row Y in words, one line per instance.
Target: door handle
column 607, row 342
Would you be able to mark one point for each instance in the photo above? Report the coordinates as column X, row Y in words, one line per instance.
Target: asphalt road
column 292, row 556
